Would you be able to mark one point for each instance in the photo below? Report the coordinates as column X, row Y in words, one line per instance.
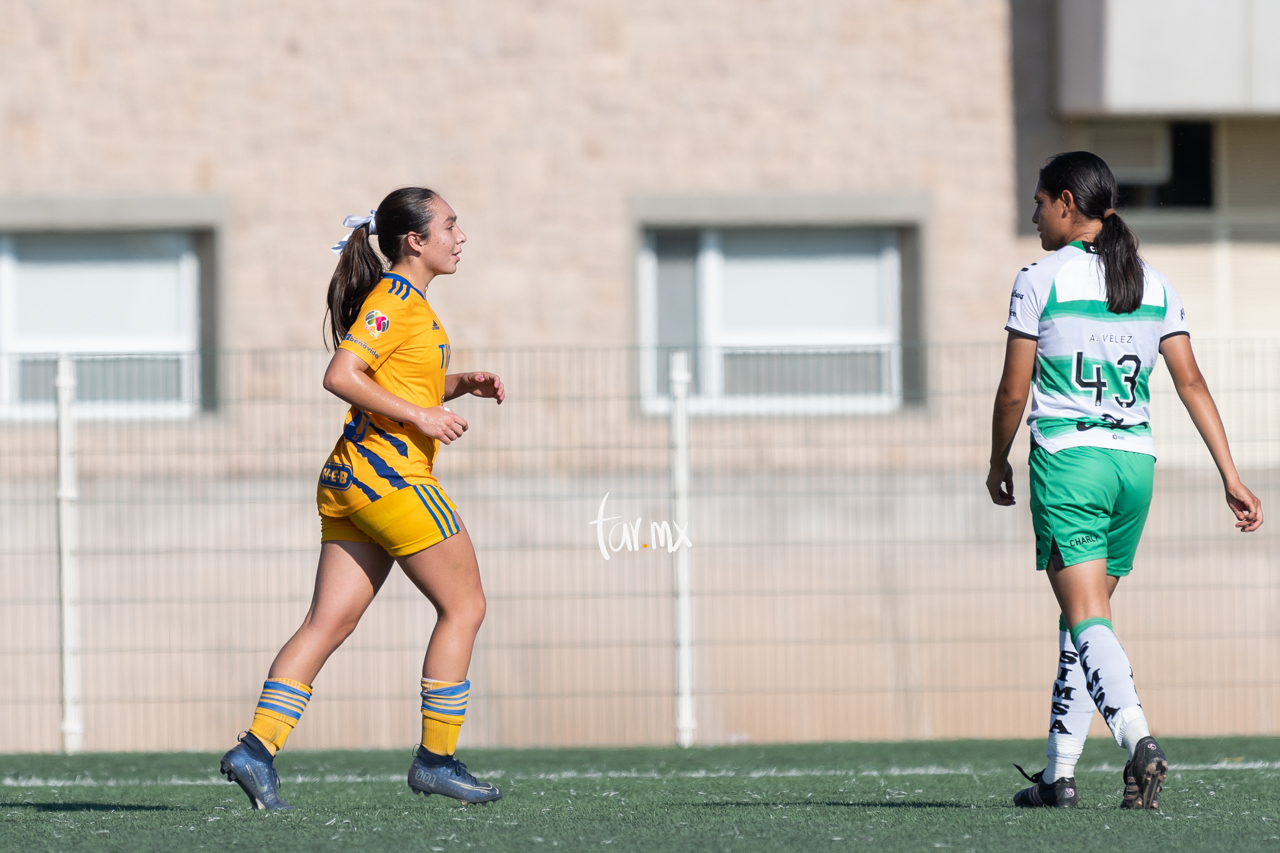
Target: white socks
column 1092, row 666
column 1109, row 680
column 1069, row 715
column 1130, row 727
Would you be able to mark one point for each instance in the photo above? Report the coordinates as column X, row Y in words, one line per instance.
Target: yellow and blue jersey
column 398, row 335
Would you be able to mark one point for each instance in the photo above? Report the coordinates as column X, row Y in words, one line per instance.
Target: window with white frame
column 802, row 320
column 123, row 305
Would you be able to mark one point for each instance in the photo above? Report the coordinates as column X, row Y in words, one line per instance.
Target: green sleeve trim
column 1078, row 628
column 1062, row 623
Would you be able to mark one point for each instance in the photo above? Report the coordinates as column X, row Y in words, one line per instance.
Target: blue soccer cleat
column 436, row 774
column 249, row 765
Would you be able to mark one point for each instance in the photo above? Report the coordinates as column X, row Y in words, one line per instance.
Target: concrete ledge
column 704, row 211
column 108, row 213
column 1243, row 224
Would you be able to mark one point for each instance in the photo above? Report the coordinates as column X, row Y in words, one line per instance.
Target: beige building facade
column 540, row 123
column 544, row 123
column 606, row 160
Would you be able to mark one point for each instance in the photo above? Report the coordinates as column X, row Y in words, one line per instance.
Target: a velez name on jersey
column 352, row 339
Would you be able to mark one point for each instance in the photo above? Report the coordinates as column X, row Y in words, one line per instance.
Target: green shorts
column 1088, row 503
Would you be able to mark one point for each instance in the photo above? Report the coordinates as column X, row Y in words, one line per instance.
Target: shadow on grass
column 85, row 807
column 856, row 804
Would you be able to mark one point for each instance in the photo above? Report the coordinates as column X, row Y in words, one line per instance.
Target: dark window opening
column 676, row 253
column 1190, row 181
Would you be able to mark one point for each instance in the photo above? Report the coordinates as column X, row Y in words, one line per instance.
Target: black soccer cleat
column 446, row 775
column 1062, row 794
column 1143, row 774
column 250, row 765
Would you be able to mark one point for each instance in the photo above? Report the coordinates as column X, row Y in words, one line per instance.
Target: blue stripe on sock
column 285, row 696
column 281, row 709
column 449, row 701
column 459, row 689
column 291, row 701
column 285, row 688
column 455, row 710
column 283, row 699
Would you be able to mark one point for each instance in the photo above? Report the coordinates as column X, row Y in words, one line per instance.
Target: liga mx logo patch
column 376, row 322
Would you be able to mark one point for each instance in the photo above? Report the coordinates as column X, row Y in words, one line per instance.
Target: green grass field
column 903, row 796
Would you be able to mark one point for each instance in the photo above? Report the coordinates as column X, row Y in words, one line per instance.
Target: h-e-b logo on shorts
column 335, row 476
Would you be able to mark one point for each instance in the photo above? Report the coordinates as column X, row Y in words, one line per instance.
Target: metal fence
column 849, row 577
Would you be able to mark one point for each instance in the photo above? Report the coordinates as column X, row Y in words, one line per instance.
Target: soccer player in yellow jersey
column 379, row 500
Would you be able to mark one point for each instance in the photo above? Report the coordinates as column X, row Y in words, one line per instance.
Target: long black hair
column 403, row 212
column 1093, row 187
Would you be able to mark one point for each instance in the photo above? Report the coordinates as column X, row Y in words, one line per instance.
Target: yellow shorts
column 404, row 522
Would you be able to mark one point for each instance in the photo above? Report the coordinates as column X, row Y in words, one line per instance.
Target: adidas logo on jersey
column 435, row 327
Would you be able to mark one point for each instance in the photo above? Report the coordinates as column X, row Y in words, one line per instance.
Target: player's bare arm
column 476, row 383
column 1011, row 401
column 1194, row 393
column 348, row 379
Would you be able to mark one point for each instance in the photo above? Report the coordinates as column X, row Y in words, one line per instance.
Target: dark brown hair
column 1093, row 187
column 403, row 212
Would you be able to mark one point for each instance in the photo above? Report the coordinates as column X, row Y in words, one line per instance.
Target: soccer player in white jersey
column 1085, row 327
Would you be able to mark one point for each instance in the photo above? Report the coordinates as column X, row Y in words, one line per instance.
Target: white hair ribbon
column 354, row 222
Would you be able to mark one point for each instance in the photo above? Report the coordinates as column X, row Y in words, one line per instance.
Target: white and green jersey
column 1092, row 366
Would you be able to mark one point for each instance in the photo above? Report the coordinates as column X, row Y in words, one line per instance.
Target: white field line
column 797, row 773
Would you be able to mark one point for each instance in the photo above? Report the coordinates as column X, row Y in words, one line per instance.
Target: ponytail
column 1093, row 187
column 358, row 273
column 1117, row 248
column 403, row 212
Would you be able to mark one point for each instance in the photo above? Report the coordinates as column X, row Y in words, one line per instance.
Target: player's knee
column 472, row 610
column 335, row 628
column 467, row 612
column 343, row 629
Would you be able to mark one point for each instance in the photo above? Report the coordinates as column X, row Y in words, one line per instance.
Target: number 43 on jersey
column 1130, row 367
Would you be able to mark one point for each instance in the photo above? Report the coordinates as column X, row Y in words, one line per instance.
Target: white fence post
column 68, row 576
column 686, row 722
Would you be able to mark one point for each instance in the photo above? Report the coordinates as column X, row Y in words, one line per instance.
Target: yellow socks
column 282, row 703
column 444, row 706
